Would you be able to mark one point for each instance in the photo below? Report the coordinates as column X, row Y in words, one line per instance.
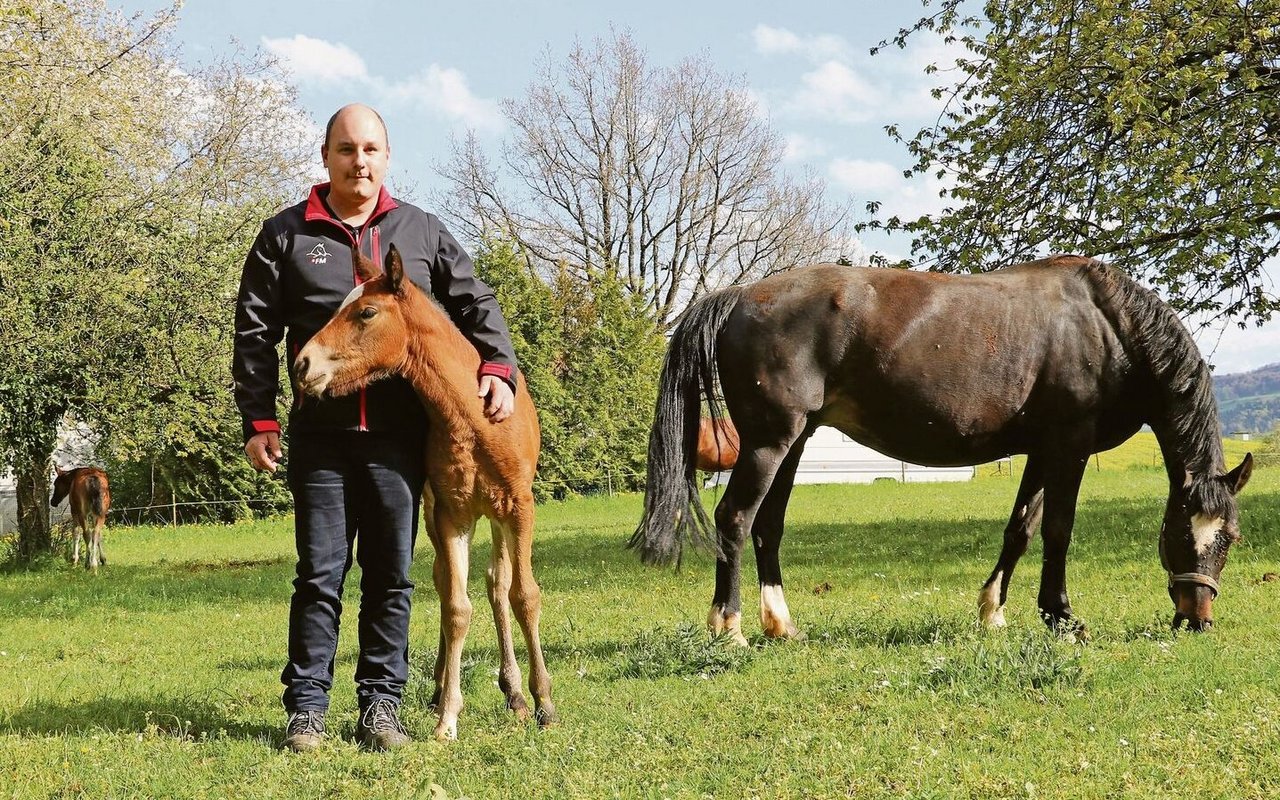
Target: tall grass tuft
column 686, row 652
column 1013, row 659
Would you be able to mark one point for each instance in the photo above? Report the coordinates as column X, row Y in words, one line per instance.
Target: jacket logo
column 318, row 254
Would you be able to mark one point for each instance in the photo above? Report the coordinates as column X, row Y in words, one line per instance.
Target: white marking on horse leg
column 719, row 623
column 990, row 611
column 775, row 617
column 1204, row 531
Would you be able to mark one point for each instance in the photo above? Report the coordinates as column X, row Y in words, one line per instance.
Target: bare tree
column 669, row 177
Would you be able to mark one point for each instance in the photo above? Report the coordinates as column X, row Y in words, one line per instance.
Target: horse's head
column 61, row 486
column 1201, row 522
column 366, row 338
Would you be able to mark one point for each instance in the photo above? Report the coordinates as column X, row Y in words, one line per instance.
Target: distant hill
column 1249, row 401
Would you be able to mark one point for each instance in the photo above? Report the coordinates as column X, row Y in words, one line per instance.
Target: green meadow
column 159, row 677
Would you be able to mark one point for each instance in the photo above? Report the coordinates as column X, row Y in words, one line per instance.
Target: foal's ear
column 395, row 269
column 1238, row 477
column 366, row 269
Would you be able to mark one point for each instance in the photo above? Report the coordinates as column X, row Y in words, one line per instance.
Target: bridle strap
column 1193, row 577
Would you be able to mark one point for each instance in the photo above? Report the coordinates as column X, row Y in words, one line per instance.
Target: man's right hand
column 263, row 451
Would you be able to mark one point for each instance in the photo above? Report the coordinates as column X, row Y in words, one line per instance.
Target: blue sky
column 435, row 70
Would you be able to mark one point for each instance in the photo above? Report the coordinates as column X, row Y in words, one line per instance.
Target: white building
column 832, row 457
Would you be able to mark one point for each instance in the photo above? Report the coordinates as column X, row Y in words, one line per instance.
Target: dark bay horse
column 474, row 468
column 90, row 500
column 1057, row 359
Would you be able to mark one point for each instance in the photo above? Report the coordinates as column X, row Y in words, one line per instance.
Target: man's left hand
column 500, row 401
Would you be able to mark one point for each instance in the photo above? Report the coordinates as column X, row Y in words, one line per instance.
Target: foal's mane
column 1155, row 338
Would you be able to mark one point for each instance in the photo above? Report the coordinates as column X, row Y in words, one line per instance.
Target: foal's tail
column 673, row 510
column 93, row 490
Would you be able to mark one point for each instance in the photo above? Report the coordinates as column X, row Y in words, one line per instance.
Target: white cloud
column 443, row 90
column 315, row 60
column 835, row 91
column 800, row 148
column 780, row 41
column 899, row 196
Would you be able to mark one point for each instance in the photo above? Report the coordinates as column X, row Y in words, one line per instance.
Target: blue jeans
column 349, row 486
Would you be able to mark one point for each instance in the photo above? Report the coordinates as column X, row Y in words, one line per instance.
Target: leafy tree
column 591, row 354
column 667, row 178
column 1141, row 131
column 126, row 186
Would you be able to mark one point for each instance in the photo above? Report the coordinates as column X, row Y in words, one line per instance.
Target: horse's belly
column 929, row 439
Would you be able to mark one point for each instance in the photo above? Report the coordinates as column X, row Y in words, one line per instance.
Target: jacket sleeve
column 259, row 324
column 472, row 306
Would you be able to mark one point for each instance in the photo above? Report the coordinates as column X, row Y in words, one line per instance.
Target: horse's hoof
column 447, row 732
column 992, row 618
column 1067, row 626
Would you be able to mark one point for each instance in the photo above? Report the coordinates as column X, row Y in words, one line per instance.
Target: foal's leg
column 97, row 541
column 750, row 482
column 1028, row 508
column 437, row 575
column 1061, row 490
column 766, row 536
column 93, row 538
column 498, row 580
column 526, row 601
column 450, row 573
column 77, row 533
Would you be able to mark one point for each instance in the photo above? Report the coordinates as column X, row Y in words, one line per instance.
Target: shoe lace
column 302, row 722
column 381, row 717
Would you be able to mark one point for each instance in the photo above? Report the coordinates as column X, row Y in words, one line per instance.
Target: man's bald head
column 355, row 108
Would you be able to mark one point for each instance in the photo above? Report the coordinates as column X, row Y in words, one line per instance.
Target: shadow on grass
column 186, row 718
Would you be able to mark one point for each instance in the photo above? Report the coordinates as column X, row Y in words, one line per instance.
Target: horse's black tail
column 673, row 510
column 93, row 492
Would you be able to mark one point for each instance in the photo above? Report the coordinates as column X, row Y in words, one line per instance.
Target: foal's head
column 1201, row 522
column 61, row 486
column 367, row 337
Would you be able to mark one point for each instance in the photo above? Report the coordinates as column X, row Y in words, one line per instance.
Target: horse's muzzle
column 1193, row 605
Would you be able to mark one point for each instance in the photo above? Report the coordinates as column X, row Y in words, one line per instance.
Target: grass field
column 159, row 676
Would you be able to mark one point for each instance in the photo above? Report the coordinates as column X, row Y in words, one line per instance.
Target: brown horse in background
column 90, row 496
column 475, row 467
column 717, row 445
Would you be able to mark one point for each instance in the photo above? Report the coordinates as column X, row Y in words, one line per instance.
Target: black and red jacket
column 298, row 273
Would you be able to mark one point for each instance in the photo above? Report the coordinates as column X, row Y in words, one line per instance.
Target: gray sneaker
column 304, row 732
column 379, row 727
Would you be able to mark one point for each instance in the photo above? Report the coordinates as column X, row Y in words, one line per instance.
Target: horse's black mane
column 1156, row 339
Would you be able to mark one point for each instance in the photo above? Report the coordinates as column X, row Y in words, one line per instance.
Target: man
column 355, row 468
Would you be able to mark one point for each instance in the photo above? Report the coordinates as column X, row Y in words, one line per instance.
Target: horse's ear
column 395, row 269
column 366, row 269
column 59, row 470
column 1238, row 477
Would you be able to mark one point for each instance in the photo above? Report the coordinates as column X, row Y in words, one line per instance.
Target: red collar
column 317, row 210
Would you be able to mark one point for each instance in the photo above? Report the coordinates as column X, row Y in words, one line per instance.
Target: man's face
column 356, row 156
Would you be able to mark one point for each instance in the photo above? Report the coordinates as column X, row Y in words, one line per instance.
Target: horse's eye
column 368, row 312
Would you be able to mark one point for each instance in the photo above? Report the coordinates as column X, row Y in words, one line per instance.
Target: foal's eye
column 368, row 312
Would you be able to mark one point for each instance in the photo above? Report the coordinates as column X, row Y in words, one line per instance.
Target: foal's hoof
column 446, row 731
column 546, row 715
column 519, row 706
